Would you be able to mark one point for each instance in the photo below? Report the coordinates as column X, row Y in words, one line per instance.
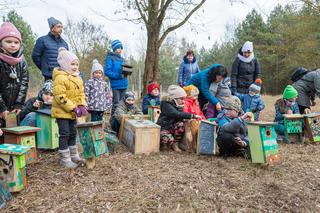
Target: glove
column 83, row 110
column 77, row 111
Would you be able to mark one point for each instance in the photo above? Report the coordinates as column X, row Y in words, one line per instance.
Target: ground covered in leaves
column 170, row 182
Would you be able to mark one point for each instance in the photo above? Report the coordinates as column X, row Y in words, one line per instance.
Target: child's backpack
column 298, row 74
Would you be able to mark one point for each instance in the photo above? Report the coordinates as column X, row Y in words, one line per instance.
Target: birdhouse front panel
column 207, row 139
column 48, row 136
column 100, row 147
column 154, row 113
column 312, row 122
column 31, row 155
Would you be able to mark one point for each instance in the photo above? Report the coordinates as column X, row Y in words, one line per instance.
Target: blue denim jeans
column 29, row 119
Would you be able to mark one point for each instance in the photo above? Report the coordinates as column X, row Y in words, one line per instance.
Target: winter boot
column 65, row 159
column 75, row 155
column 175, row 147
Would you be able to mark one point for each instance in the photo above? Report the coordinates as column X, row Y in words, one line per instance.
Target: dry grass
column 169, row 182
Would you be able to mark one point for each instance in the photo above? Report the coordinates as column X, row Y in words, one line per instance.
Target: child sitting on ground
column 125, row 107
column 191, row 103
column 232, row 134
column 69, row 102
column 171, row 118
column 152, row 98
column 285, row 105
column 97, row 92
column 42, row 101
column 252, row 102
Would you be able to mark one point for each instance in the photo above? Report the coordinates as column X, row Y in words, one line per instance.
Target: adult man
column 45, row 52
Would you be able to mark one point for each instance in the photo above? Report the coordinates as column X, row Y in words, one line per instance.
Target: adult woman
column 187, row 68
column 202, row 80
column 245, row 69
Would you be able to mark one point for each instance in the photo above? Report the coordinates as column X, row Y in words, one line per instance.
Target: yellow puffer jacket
column 68, row 93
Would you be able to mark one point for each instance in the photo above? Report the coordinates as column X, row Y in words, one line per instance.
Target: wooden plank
column 89, row 124
column 19, row 130
column 256, row 144
column 262, row 123
column 135, row 117
column 48, row 136
column 13, row 149
column 11, row 120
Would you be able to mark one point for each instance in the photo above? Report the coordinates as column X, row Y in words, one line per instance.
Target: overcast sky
column 215, row 15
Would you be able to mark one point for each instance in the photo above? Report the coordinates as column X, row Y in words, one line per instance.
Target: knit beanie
column 52, row 22
column 116, row 44
column 47, row 87
column 151, row 86
column 96, row 66
column 247, row 47
column 255, row 88
column 129, row 95
column 175, row 91
column 65, row 58
column 233, row 103
column 290, row 92
column 7, row 29
column 191, row 90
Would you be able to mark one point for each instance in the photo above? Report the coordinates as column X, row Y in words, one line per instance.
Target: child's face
column 195, row 97
column 97, row 74
column 290, row 102
column 47, row 98
column 179, row 101
column 10, row 44
column 130, row 101
column 251, row 93
column 219, row 78
column 230, row 113
column 118, row 51
column 74, row 66
column 155, row 92
column 247, row 54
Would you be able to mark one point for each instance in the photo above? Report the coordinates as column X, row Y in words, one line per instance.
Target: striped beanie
column 116, row 44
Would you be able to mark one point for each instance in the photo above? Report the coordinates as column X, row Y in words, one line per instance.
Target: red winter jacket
column 192, row 106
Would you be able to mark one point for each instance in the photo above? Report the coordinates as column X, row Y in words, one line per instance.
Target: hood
column 113, row 55
column 186, row 61
column 57, row 71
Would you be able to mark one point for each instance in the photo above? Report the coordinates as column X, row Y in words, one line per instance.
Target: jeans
column 118, row 94
column 96, row 115
column 67, row 132
column 115, row 125
column 29, row 119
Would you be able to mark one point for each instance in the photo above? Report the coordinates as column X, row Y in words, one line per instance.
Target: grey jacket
column 308, row 87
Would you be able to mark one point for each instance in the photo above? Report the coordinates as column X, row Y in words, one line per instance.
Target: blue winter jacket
column 200, row 80
column 250, row 103
column 187, row 70
column 45, row 53
column 282, row 109
column 147, row 102
column 113, row 69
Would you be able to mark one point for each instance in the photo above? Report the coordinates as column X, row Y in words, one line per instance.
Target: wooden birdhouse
column 127, row 69
column 5, row 195
column 13, row 166
column 141, row 136
column 263, row 142
column 93, row 140
column 207, row 143
column 312, row 126
column 48, row 136
column 293, row 128
column 154, row 113
column 25, row 136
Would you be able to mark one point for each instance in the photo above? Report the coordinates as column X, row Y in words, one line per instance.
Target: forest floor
column 170, row 182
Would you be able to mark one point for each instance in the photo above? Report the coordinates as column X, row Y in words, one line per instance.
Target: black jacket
column 13, row 92
column 28, row 107
column 171, row 114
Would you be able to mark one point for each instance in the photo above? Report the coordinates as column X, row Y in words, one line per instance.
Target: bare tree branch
column 163, row 11
column 142, row 14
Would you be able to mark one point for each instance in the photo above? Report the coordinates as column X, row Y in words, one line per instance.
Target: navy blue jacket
column 113, row 69
column 147, row 102
column 45, row 53
column 253, row 104
column 187, row 70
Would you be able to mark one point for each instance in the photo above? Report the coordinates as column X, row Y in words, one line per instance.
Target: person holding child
column 232, row 133
column 152, row 98
column 13, row 72
column 285, row 105
column 42, row 101
column 97, row 92
column 69, row 102
column 171, row 118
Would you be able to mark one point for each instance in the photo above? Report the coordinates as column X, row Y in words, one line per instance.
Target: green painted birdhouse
column 293, row 125
column 48, row 136
column 263, row 142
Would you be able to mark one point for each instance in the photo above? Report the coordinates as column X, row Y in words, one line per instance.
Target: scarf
column 246, row 60
column 10, row 59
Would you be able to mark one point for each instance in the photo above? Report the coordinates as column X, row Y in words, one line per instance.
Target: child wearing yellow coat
column 68, row 103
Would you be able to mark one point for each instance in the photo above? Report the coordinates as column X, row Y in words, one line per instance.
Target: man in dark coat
column 45, row 51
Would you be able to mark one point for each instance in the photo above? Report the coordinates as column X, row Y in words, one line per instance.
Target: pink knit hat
column 65, row 58
column 7, row 29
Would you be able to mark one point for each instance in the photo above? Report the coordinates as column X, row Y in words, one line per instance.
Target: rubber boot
column 65, row 159
column 75, row 155
column 176, row 148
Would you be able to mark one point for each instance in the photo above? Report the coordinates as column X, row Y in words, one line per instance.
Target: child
column 97, row 92
column 152, row 98
column 285, row 105
column 232, row 134
column 191, row 103
column 252, row 102
column 125, row 107
column 13, row 72
column 113, row 69
column 171, row 118
column 42, row 101
column 69, row 102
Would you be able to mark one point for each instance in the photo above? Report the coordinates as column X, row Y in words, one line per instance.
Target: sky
column 210, row 21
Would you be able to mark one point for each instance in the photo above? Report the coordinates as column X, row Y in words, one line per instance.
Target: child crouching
column 171, row 118
column 69, row 102
column 232, row 134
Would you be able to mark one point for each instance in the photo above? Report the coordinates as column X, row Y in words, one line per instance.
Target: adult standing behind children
column 45, row 51
column 245, row 69
column 13, row 71
column 188, row 68
column 113, row 69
